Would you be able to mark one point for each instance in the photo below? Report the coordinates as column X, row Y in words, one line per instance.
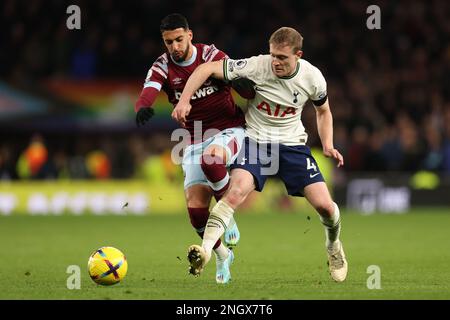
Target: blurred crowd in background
column 84, row 156
column 388, row 89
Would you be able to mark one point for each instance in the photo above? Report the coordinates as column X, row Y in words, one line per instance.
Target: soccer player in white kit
column 283, row 83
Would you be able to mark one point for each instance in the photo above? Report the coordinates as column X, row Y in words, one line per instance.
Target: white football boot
column 197, row 258
column 337, row 263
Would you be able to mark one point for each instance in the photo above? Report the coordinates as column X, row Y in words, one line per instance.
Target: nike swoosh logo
column 313, row 175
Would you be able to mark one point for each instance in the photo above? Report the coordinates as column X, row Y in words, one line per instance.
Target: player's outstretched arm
column 325, row 129
column 195, row 81
column 143, row 106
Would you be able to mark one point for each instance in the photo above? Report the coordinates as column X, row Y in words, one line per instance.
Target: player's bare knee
column 197, row 200
column 197, row 203
column 325, row 209
column 235, row 196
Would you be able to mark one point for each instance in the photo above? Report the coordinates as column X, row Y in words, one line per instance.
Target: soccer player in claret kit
column 283, row 83
column 206, row 159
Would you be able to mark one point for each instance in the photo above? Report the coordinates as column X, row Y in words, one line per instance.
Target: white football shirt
column 274, row 114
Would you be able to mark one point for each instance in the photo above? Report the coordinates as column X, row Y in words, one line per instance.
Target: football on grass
column 107, row 266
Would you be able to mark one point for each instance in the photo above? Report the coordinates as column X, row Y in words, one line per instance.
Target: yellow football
column 107, row 266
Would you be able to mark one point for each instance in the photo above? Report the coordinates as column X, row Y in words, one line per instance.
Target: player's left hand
column 181, row 111
column 334, row 153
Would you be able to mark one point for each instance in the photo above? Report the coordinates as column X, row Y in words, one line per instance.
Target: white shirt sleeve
column 242, row 68
column 319, row 86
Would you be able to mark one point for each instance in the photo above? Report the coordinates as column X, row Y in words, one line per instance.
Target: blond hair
column 286, row 36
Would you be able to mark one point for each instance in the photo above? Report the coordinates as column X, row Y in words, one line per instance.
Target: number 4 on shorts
column 310, row 165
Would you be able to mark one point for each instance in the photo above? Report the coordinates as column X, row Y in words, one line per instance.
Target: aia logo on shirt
column 277, row 111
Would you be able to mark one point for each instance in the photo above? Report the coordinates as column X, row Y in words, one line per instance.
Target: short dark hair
column 173, row 21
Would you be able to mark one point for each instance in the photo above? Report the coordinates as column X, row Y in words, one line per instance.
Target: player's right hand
column 143, row 115
column 181, row 111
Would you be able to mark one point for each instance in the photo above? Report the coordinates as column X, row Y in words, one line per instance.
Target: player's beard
column 182, row 57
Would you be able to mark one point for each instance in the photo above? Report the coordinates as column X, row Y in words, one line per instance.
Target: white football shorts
column 230, row 139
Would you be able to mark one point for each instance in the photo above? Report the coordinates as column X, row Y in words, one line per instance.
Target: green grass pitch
column 280, row 256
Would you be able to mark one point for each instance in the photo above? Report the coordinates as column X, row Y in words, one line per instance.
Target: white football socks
column 332, row 227
column 218, row 221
